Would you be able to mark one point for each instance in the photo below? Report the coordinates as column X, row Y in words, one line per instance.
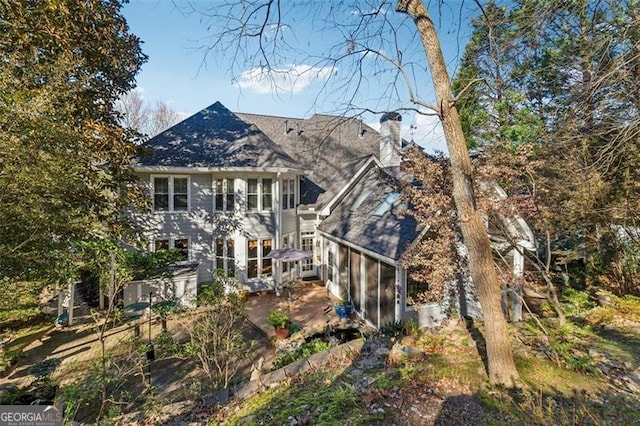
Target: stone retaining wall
column 318, row 360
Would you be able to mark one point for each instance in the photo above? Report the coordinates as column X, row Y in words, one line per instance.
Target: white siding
column 201, row 225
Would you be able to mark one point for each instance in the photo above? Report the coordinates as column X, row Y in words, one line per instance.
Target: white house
column 228, row 188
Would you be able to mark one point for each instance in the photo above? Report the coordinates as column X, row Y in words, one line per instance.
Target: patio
column 311, row 305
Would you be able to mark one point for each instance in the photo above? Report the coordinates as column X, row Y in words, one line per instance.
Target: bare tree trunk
column 502, row 369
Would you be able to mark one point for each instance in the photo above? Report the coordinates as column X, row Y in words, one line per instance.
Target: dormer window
column 170, row 193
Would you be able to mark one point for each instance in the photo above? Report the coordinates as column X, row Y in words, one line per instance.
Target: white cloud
column 182, row 115
column 277, row 28
column 291, row 80
column 427, row 133
column 139, row 90
column 373, row 11
column 424, row 130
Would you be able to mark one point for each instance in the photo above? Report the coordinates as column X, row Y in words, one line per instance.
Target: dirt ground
column 77, row 346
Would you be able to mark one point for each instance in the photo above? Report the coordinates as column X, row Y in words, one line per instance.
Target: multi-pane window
column 182, row 245
column 259, row 194
column 252, row 259
column 257, row 265
column 225, row 198
column 267, row 194
column 161, row 194
column 288, row 194
column 179, row 244
column 267, row 263
column 180, row 193
column 225, row 256
column 252, row 194
column 307, row 239
column 170, row 193
column 161, row 245
column 286, row 266
column 292, row 194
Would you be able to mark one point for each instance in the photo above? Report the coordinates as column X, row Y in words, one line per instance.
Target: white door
column 307, row 266
column 332, row 269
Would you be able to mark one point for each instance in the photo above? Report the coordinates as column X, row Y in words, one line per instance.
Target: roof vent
column 287, row 129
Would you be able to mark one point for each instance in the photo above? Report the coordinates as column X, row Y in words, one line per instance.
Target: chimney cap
column 394, row 116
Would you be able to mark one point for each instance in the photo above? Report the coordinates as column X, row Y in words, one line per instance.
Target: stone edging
column 315, row 361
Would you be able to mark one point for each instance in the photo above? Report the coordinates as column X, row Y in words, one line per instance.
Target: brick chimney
column 390, row 139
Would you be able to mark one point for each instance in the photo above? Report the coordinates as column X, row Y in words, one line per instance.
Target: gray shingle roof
column 328, row 148
column 388, row 234
column 215, row 137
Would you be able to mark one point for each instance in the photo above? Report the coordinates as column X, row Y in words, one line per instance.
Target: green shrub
column 167, row 346
column 209, row 293
column 576, row 302
column 411, row 328
column 396, row 329
column 431, row 343
column 278, row 319
column 629, row 306
column 19, row 304
column 304, row 351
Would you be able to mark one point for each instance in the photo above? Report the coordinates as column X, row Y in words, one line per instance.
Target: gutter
column 368, row 252
column 192, row 170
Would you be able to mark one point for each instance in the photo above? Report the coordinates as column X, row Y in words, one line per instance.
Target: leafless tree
column 161, row 117
column 139, row 115
column 372, row 46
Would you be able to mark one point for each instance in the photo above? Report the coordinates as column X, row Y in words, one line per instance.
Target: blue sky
column 177, row 72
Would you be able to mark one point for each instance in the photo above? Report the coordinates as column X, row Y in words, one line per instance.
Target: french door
column 307, row 243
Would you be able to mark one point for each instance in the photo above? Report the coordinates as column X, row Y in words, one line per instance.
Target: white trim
column 225, row 255
column 172, row 244
column 171, row 178
column 260, row 194
column 260, row 258
column 207, row 170
column 309, row 234
column 284, row 196
column 225, row 193
column 524, row 235
column 388, row 260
